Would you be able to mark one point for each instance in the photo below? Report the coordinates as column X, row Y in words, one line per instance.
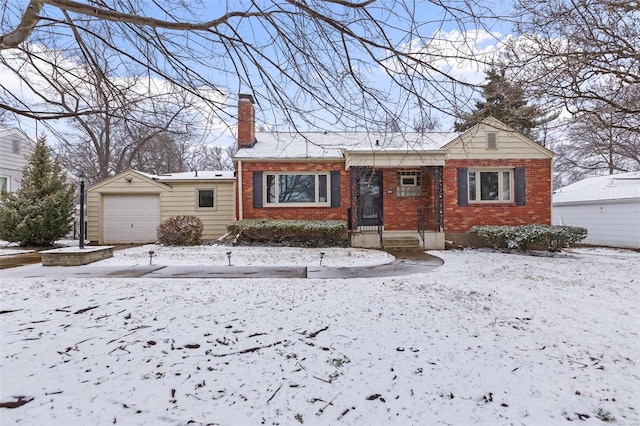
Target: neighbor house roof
column 330, row 145
column 610, row 187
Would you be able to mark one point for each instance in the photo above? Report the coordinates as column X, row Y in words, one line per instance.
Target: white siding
column 609, row 223
column 12, row 162
column 510, row 145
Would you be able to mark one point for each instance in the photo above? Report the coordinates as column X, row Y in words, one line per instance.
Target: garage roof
column 610, row 187
column 194, row 175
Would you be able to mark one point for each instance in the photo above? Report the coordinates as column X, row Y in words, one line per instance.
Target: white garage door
column 131, row 218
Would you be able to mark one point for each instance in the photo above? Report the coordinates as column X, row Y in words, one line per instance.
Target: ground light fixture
column 321, row 257
column 151, row 254
column 229, row 257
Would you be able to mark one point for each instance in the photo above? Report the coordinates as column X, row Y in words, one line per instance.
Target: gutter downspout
column 239, row 180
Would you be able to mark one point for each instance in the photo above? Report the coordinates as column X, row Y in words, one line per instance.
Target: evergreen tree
column 41, row 211
column 505, row 101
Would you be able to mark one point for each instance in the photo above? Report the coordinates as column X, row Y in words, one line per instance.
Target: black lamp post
column 82, row 177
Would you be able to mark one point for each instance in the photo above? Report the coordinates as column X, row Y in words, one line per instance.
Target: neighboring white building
column 15, row 147
column 608, row 206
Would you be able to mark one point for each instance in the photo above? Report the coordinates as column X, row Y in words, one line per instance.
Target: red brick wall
column 285, row 212
column 246, row 121
column 458, row 219
column 400, row 213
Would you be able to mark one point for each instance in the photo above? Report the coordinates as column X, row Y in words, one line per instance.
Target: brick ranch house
column 392, row 186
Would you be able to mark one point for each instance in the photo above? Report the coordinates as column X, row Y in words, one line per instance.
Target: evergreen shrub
column 41, row 210
column 295, row 233
column 522, row 237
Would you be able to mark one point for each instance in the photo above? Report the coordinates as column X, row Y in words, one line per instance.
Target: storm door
column 369, row 193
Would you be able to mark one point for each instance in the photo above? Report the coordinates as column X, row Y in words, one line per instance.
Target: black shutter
column 257, row 190
column 463, row 187
column 335, row 189
column 521, row 186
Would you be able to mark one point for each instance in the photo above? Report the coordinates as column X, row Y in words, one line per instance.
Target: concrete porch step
column 402, row 243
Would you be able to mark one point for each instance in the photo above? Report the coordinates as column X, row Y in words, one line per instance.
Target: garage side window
column 206, row 198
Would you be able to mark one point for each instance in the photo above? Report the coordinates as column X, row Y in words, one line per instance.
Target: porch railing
column 352, row 224
column 422, row 222
column 380, row 225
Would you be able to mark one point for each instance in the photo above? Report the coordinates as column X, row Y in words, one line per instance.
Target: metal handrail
column 380, row 226
column 421, row 224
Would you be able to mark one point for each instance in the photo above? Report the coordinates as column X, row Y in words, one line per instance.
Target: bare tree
column 111, row 118
column 425, row 124
column 211, row 157
column 315, row 62
column 599, row 142
column 566, row 49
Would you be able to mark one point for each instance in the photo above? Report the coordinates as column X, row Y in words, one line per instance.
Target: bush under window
column 522, row 237
column 181, row 231
column 296, row 233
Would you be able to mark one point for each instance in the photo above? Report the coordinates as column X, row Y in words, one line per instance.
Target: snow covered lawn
column 488, row 338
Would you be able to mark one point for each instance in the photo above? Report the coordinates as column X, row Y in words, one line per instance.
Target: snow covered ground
column 488, row 338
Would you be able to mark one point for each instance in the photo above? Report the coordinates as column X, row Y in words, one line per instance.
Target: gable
column 506, row 143
column 130, row 181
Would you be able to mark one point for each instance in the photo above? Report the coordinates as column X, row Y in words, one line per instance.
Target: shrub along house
column 393, row 187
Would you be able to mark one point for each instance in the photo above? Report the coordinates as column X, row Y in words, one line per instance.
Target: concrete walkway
column 404, row 264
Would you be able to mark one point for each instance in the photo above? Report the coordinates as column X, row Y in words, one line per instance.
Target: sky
column 448, row 33
column 488, row 338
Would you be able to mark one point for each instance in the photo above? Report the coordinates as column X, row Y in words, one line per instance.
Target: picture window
column 490, row 185
column 297, row 188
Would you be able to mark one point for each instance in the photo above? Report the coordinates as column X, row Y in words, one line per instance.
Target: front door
column 369, row 198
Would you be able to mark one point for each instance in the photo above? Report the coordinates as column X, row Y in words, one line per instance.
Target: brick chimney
column 246, row 122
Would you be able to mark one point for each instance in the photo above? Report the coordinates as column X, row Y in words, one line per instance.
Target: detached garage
column 127, row 208
column 608, row 206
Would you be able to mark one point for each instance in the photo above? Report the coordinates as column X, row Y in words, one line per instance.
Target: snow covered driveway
column 488, row 338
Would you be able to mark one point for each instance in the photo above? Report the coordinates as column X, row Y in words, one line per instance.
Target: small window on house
column 409, row 184
column 492, row 140
column 490, row 185
column 297, row 188
column 16, row 146
column 4, row 183
column 206, row 198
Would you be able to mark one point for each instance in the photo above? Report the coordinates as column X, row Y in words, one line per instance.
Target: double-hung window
column 297, row 188
column 491, row 185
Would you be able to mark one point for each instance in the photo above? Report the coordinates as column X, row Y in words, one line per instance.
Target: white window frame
column 504, row 195
column 8, row 182
column 215, row 204
column 409, row 183
column 277, row 203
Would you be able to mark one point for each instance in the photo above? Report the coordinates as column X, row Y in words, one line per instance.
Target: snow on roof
column 329, row 145
column 193, row 175
column 609, row 187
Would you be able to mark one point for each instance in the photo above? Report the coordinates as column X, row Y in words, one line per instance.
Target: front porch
column 397, row 209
